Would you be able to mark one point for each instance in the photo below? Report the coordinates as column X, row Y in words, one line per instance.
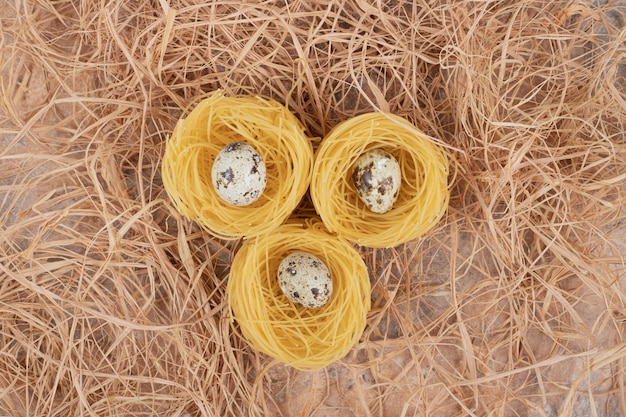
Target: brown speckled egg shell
column 239, row 174
column 376, row 176
column 305, row 280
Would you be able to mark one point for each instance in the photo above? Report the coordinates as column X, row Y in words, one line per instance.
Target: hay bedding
column 112, row 304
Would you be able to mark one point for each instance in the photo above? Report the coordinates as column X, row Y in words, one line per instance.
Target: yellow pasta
column 424, row 192
column 216, row 121
column 307, row 339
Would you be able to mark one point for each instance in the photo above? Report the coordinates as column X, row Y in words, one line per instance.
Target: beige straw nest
column 112, row 304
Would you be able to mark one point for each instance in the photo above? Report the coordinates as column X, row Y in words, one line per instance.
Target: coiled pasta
column 307, row 339
column 216, row 121
column 424, row 192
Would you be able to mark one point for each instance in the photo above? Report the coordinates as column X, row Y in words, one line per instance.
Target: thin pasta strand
column 307, row 339
column 424, row 192
column 216, row 121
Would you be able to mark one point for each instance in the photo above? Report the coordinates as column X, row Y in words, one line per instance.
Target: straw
column 111, row 304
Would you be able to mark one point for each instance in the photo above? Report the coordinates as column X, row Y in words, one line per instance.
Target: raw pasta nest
column 307, row 339
column 266, row 125
column 424, row 193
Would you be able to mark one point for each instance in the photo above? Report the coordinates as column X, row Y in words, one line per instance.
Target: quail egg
column 376, row 177
column 239, row 174
column 305, row 280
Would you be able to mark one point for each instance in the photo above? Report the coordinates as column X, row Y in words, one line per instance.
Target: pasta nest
column 423, row 196
column 271, row 129
column 307, row 339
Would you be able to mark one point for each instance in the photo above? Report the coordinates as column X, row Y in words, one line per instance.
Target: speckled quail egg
column 376, row 177
column 239, row 174
column 305, row 280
